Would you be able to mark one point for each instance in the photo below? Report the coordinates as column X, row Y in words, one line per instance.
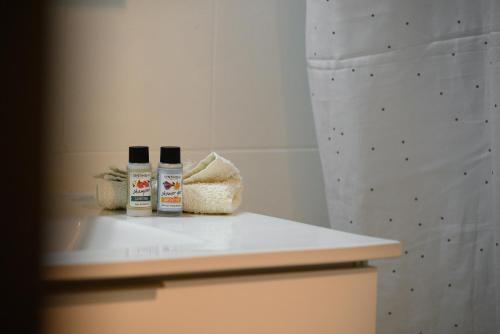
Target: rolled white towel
column 111, row 194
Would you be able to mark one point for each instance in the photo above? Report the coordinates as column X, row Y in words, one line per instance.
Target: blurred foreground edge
column 22, row 59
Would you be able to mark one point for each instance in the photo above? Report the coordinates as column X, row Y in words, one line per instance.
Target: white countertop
column 117, row 246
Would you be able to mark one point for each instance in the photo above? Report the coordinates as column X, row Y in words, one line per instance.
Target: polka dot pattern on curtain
column 405, row 96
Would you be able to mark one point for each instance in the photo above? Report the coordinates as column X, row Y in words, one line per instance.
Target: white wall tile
column 260, row 85
column 132, row 72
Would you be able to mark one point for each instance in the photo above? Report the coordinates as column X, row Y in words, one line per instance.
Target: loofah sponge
column 214, row 185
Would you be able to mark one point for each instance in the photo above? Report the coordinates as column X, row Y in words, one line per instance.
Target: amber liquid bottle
column 169, row 180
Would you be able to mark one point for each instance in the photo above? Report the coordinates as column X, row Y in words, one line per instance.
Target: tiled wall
column 228, row 76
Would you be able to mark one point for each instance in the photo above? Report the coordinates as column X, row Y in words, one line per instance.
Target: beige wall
column 228, row 76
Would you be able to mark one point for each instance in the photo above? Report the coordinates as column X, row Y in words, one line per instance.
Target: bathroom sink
column 202, row 264
column 95, row 245
column 103, row 264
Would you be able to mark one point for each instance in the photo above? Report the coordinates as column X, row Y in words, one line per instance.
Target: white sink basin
column 118, row 232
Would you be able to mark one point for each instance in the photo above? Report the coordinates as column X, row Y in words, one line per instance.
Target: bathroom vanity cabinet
column 242, row 273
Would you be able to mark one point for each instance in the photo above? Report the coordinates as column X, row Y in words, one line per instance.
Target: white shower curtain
column 406, row 100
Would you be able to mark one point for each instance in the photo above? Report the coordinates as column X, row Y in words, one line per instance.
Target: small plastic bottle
column 139, row 182
column 169, row 182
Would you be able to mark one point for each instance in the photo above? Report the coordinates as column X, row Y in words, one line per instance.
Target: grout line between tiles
column 212, row 72
column 268, row 150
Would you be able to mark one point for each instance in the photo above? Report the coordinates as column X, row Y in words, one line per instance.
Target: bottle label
column 170, row 189
column 140, row 189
